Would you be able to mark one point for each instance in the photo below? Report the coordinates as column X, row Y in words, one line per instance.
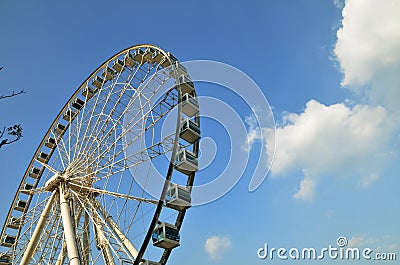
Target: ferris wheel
column 84, row 198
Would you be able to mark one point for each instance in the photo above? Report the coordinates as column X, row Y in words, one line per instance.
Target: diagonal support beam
column 117, row 231
column 30, row 250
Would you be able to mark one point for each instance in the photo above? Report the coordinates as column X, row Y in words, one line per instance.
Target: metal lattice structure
column 79, row 201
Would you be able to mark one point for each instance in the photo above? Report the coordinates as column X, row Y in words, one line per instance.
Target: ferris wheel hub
column 53, row 182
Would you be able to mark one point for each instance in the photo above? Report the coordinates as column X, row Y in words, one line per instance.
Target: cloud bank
column 350, row 139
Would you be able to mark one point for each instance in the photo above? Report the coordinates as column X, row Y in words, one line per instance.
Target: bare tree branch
column 12, row 95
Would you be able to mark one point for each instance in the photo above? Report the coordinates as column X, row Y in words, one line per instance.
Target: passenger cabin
column 15, row 223
column 27, row 188
column 166, row 61
column 148, row 54
column 97, row 82
column 156, row 57
column 184, row 84
column 51, row 143
column 129, row 61
column 69, row 115
column 8, row 241
column 177, row 69
column 190, row 105
column 43, row 157
column 166, row 236
column 59, row 129
column 34, row 173
column 118, row 66
column 88, row 92
column 190, row 131
column 20, row 205
column 178, row 197
column 138, row 56
column 5, row 259
column 186, row 162
column 108, row 73
column 78, row 103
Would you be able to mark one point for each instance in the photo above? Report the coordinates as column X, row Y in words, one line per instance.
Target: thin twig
column 12, row 95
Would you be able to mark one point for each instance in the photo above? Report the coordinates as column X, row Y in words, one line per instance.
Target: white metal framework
column 79, row 201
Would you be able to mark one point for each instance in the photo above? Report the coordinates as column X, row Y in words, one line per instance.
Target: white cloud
column 367, row 48
column 360, row 241
column 306, row 191
column 254, row 133
column 335, row 140
column 215, row 246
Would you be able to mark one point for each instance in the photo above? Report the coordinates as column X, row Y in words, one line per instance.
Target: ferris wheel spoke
column 77, row 187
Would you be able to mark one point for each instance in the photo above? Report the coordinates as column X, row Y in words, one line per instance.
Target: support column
column 32, row 245
column 69, row 232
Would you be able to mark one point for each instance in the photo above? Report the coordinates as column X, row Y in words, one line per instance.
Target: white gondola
column 138, row 55
column 166, row 236
column 118, row 65
column 178, row 197
column 97, row 82
column 186, row 162
column 88, row 92
column 147, row 55
column 34, row 173
column 108, row 73
column 8, row 241
column 15, row 223
column 156, row 57
column 51, row 143
column 166, row 61
column 27, row 188
column 177, row 70
column 69, row 115
column 20, row 205
column 43, row 157
column 184, row 84
column 129, row 61
column 190, row 131
column 190, row 105
column 5, row 259
column 59, row 129
column 78, row 103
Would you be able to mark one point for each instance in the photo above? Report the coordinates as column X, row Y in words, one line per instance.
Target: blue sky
column 329, row 74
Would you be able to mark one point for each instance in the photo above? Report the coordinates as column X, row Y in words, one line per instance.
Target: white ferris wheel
column 83, row 198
